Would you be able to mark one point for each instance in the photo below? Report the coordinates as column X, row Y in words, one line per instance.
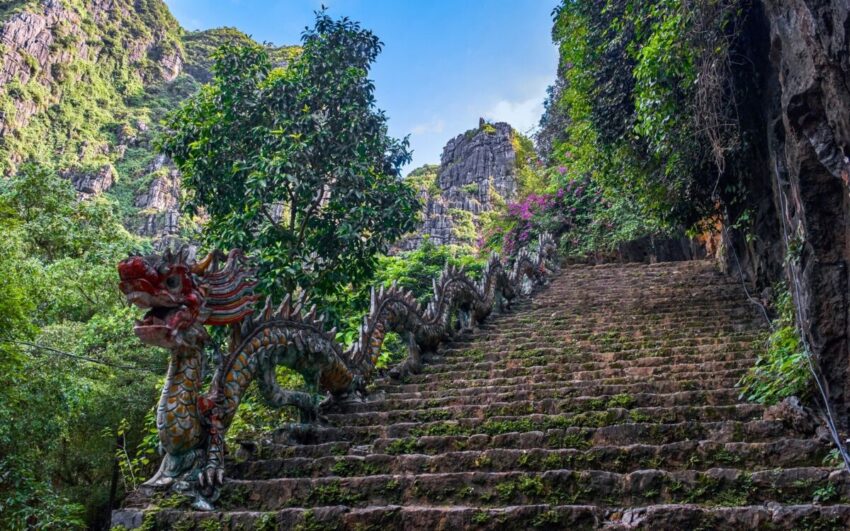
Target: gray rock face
column 810, row 51
column 800, row 179
column 89, row 183
column 35, row 43
column 160, row 214
column 27, row 39
column 485, row 157
column 476, row 168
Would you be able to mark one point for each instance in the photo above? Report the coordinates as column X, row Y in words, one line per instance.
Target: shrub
column 781, row 370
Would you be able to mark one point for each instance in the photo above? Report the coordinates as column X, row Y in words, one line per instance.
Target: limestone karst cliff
column 83, row 86
column 478, row 171
column 795, row 105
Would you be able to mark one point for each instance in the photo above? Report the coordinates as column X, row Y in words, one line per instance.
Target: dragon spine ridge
column 184, row 296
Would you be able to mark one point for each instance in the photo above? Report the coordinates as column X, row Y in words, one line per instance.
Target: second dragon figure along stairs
column 606, row 400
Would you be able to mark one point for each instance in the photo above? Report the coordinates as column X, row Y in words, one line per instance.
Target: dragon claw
column 211, row 476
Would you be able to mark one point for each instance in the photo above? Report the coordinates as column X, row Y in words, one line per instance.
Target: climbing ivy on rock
column 645, row 90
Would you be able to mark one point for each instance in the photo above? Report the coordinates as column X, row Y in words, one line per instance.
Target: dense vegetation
column 294, row 165
column 645, row 89
column 70, row 374
column 654, row 107
column 78, row 388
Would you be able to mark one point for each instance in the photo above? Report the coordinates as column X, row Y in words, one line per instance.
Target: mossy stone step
column 690, row 454
column 475, row 360
column 716, row 486
column 652, row 405
column 585, row 370
column 671, row 517
column 395, row 391
column 720, row 378
column 546, row 396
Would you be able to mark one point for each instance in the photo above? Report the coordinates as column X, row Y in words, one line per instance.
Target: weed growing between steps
column 781, row 370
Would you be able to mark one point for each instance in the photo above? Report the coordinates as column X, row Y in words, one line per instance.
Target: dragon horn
column 199, row 268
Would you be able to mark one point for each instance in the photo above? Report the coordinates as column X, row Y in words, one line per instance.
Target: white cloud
column 434, row 126
column 522, row 114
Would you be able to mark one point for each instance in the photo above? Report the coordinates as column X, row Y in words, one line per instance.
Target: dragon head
column 181, row 295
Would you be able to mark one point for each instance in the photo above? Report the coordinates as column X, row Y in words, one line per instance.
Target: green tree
column 71, row 370
column 294, row 164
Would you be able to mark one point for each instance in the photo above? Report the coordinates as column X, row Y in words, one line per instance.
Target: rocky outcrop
column 796, row 108
column 478, row 169
column 482, row 158
column 159, row 204
column 27, row 50
column 91, row 182
column 36, row 43
column 810, row 140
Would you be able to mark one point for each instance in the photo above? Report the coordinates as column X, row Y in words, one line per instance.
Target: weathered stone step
column 589, row 388
column 537, row 422
column 425, row 411
column 596, row 321
column 343, row 518
column 590, row 325
column 595, row 401
column 461, row 360
column 663, row 298
column 696, row 455
column 529, row 343
column 477, row 361
column 583, row 371
column 771, row 516
column 329, row 441
column 541, row 516
column 717, row 486
column 722, row 378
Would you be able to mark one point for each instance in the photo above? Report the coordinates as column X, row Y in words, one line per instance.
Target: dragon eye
column 173, row 282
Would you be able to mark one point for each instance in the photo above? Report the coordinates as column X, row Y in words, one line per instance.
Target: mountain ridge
column 83, row 86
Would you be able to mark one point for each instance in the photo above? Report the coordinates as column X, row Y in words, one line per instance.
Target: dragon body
column 183, row 297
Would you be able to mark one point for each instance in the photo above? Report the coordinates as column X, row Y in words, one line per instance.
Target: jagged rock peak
column 478, row 171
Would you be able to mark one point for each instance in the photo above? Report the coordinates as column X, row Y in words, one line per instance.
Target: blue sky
column 445, row 63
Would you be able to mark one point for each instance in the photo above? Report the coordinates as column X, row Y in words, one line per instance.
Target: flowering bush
column 578, row 213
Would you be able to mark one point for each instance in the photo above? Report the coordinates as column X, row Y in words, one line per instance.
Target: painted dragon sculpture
column 183, row 297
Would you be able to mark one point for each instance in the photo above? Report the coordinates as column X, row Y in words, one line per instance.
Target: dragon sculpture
column 183, row 297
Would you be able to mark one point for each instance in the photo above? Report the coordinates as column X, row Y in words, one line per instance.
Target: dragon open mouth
column 156, row 316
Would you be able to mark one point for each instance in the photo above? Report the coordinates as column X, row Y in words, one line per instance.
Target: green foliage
column 415, row 270
column 642, row 90
column 60, row 304
column 782, row 369
column 201, row 46
column 463, row 225
column 78, row 103
column 424, row 179
column 586, row 222
column 254, row 417
column 305, row 140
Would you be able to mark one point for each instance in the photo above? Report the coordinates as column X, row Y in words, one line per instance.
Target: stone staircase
column 608, row 400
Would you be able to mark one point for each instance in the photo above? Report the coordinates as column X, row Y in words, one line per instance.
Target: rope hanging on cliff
column 822, row 386
column 816, row 376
